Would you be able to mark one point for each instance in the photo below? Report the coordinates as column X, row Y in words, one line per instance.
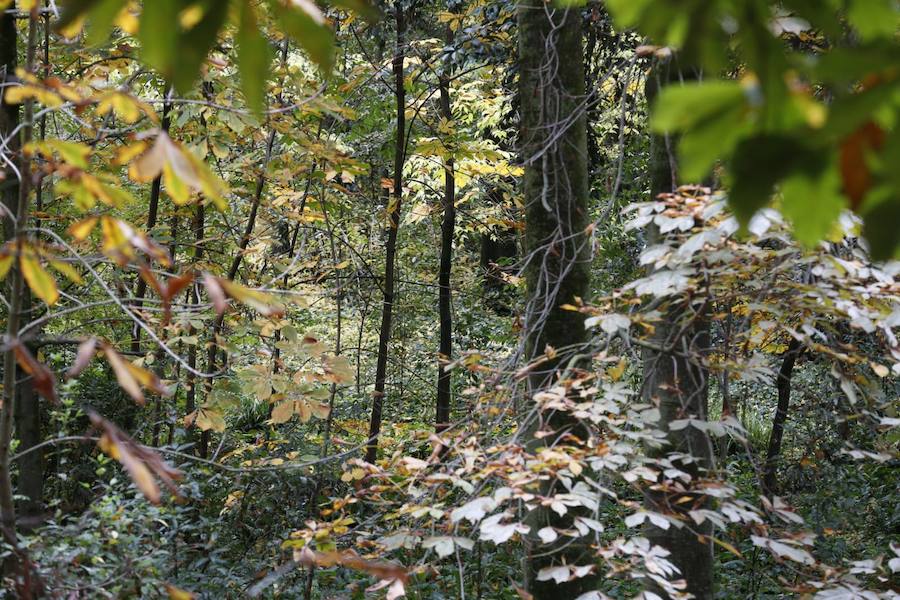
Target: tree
column 393, row 226
column 553, row 140
column 448, row 228
column 676, row 379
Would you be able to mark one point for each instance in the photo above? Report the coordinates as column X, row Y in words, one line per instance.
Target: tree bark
column 26, row 413
column 677, row 381
column 783, row 385
column 140, row 291
column 15, row 226
column 190, row 398
column 553, row 141
column 393, row 210
column 448, row 225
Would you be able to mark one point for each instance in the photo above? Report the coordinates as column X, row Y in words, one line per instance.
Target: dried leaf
column 132, row 377
column 384, row 571
column 86, row 351
column 142, row 463
column 259, row 301
column 216, row 293
column 41, row 377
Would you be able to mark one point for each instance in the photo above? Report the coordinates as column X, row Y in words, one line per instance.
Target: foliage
column 190, row 357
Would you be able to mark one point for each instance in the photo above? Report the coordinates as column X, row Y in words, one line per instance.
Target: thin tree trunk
column 140, row 291
column 190, row 397
column 448, row 225
column 677, row 381
column 783, row 385
column 384, row 335
column 19, row 220
column 553, row 140
column 152, row 216
column 27, row 417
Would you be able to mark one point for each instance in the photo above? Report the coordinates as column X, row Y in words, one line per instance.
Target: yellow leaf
column 617, row 371
column 83, row 228
column 123, row 105
column 125, row 154
column 282, row 412
column 880, row 370
column 68, row 270
column 6, row 262
column 210, row 419
column 140, row 474
column 123, row 375
column 147, row 379
column 19, row 94
column 40, row 282
column 127, row 22
column 115, row 243
column 176, row 593
column 262, row 303
column 175, row 186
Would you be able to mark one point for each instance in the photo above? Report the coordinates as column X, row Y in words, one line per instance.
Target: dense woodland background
column 477, row 299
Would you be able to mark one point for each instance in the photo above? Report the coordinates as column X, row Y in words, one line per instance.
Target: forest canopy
column 470, row 299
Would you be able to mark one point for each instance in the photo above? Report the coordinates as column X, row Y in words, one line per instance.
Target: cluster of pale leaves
column 476, row 489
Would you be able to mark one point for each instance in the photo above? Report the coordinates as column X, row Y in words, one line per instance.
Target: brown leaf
column 152, row 281
column 132, row 378
column 174, row 285
column 123, row 374
column 41, row 377
column 351, row 560
column 86, row 351
column 216, row 293
column 854, row 170
column 140, row 462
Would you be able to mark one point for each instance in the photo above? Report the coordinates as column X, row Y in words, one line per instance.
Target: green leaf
column 306, row 25
column 874, row 18
column 75, row 9
column 759, row 163
column 680, row 107
column 253, row 58
column 158, row 34
column 74, row 153
column 367, row 11
column 813, row 204
column 881, row 231
column 700, row 147
column 628, row 12
column 194, row 44
column 101, row 20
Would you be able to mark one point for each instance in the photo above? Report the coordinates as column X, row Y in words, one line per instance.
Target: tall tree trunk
column 783, row 385
column 677, row 381
column 393, row 209
column 448, row 224
column 553, row 140
column 152, row 217
column 140, row 291
column 190, row 397
column 28, row 403
column 15, row 226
